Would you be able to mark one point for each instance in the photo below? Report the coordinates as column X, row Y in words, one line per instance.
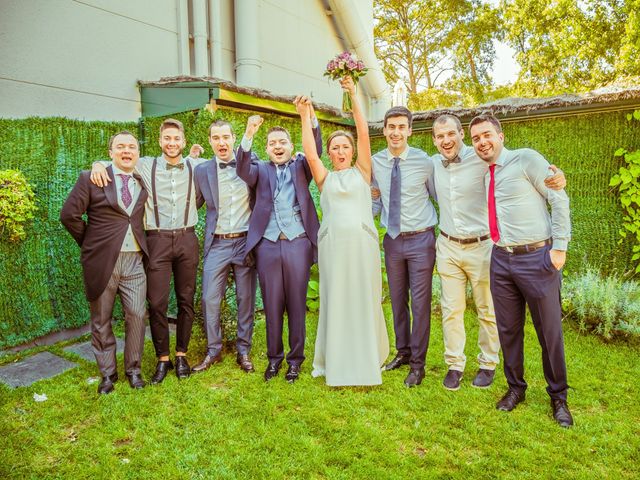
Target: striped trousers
column 130, row 281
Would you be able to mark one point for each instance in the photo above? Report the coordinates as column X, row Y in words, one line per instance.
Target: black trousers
column 177, row 252
column 529, row 279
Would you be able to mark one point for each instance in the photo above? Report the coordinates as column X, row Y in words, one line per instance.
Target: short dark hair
column 221, row 123
column 122, row 132
column 278, row 128
column 444, row 119
column 172, row 123
column 398, row 112
column 486, row 117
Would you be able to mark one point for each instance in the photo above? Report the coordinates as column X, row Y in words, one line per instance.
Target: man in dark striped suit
column 113, row 250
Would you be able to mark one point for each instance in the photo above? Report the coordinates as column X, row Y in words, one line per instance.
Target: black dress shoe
column 183, row 370
column 245, row 363
column 207, row 362
column 452, row 380
column 510, row 399
column 162, row 368
column 136, row 381
column 114, row 377
column 293, row 372
column 397, row 362
column 415, row 377
column 561, row 413
column 106, row 385
column 271, row 371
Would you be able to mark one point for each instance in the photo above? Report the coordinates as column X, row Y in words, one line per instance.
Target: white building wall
column 82, row 58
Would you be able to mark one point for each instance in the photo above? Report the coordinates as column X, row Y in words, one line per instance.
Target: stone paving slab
column 85, row 351
column 31, row 369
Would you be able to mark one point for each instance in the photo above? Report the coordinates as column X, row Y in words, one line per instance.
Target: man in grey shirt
column 404, row 176
column 526, row 262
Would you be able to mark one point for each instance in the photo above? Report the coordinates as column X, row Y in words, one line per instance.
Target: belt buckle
column 509, row 249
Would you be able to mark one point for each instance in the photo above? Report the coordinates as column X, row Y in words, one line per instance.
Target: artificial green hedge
column 41, row 284
column 583, row 146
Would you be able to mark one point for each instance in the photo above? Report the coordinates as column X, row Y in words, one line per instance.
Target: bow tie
column 446, row 163
column 179, row 166
column 232, row 164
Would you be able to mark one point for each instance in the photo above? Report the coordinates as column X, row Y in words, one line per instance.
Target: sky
column 505, row 68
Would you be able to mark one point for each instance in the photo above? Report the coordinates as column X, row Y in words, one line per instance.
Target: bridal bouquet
column 345, row 65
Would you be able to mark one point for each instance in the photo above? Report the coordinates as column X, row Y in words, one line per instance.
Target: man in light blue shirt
column 526, row 262
column 404, row 176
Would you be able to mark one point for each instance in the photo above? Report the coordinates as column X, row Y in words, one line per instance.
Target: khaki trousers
column 458, row 264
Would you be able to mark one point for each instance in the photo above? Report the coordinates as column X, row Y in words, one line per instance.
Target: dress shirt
column 233, row 199
column 172, row 186
column 129, row 244
column 521, row 201
column 461, row 195
column 416, row 183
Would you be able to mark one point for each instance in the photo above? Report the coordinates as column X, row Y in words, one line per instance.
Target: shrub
column 17, row 204
column 607, row 306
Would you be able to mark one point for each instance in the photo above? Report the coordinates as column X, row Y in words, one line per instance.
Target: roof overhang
column 173, row 95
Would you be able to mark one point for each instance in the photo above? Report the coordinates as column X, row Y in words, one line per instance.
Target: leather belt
column 227, row 236
column 528, row 248
column 466, row 241
column 408, row 234
column 165, row 233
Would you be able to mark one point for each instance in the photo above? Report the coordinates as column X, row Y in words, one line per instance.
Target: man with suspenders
column 170, row 218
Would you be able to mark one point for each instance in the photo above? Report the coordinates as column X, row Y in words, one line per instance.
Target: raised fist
column 253, row 124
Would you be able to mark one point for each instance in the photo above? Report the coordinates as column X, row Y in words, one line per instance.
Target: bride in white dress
column 352, row 341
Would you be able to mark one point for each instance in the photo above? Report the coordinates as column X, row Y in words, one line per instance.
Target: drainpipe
column 350, row 28
column 215, row 34
column 247, row 35
column 182, row 20
column 200, row 38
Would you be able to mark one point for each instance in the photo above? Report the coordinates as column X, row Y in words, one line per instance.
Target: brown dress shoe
column 106, row 386
column 136, row 381
column 510, row 400
column 484, row 378
column 245, row 363
column 207, row 362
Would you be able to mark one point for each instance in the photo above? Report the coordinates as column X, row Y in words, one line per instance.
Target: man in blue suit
column 229, row 203
column 283, row 235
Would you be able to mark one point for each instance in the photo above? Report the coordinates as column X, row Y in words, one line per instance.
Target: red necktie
column 493, row 219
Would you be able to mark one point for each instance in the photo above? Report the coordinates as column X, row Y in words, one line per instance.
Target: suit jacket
column 206, row 181
column 100, row 237
column 262, row 177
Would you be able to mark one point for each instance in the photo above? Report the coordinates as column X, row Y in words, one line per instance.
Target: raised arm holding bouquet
column 342, row 66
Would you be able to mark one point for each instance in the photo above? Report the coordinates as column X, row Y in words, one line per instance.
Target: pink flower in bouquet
column 345, row 65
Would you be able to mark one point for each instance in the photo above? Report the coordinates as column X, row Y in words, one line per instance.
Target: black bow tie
column 179, row 166
column 232, row 164
column 446, row 163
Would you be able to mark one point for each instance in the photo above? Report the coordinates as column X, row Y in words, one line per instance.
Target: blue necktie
column 393, row 222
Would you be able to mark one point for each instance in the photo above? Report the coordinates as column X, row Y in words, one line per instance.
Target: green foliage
column 572, row 45
column 17, row 204
column 41, row 288
column 607, row 306
column 313, row 290
column 627, row 182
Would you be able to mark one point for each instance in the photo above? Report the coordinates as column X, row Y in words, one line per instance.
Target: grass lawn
column 227, row 424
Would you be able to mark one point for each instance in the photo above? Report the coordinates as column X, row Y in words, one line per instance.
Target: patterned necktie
column 280, row 175
column 446, row 162
column 232, row 163
column 125, row 194
column 493, row 219
column 393, row 222
column 179, row 166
